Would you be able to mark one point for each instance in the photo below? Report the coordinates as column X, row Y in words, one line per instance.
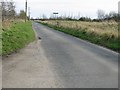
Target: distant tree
column 101, row 14
column 8, row 10
column 11, row 9
column 4, row 10
column 106, row 16
column 112, row 14
column 95, row 20
column 78, row 15
column 82, row 19
column 85, row 19
column 115, row 16
column 44, row 16
column 51, row 17
column 21, row 14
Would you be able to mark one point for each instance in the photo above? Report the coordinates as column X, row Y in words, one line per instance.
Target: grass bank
column 16, row 36
column 108, row 40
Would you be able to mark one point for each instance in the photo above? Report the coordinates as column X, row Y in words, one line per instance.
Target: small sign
column 55, row 13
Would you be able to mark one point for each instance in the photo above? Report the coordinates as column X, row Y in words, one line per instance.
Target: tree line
column 110, row 16
column 101, row 16
column 9, row 12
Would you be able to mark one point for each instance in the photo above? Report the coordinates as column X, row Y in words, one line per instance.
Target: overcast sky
column 68, row 7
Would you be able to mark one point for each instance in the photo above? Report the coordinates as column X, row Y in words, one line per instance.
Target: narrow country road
column 70, row 63
column 78, row 63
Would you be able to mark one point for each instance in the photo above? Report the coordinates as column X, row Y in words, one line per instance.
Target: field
column 101, row 33
column 15, row 35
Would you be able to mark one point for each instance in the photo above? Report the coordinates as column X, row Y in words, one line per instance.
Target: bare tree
column 4, row 10
column 44, row 16
column 112, row 14
column 11, row 9
column 101, row 14
column 51, row 16
column 8, row 9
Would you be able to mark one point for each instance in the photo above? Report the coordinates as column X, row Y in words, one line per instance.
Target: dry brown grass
column 101, row 33
column 6, row 24
column 100, row 28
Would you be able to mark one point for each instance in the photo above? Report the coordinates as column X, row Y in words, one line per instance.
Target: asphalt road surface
column 75, row 63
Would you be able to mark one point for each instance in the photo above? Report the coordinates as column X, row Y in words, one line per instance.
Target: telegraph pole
column 26, row 11
column 29, row 12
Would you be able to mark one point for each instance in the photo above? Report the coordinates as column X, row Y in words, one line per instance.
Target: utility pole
column 29, row 12
column 26, row 11
column 3, row 5
column 0, row 13
column 119, row 8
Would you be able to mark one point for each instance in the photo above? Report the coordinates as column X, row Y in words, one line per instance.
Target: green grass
column 104, row 40
column 16, row 36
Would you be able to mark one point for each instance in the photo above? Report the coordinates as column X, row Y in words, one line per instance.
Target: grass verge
column 16, row 36
column 105, row 40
